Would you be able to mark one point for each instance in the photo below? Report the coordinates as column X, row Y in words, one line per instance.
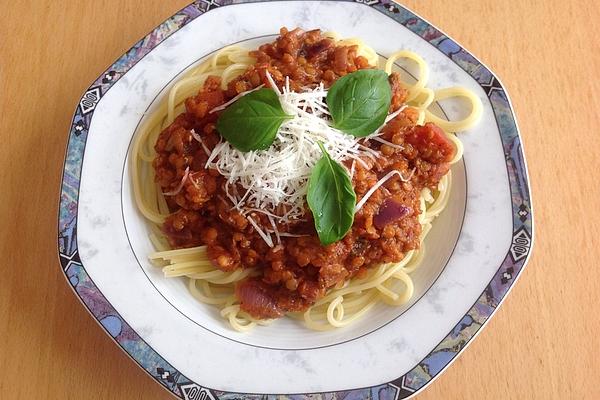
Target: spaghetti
column 347, row 301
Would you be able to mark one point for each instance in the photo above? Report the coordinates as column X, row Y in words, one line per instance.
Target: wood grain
column 542, row 344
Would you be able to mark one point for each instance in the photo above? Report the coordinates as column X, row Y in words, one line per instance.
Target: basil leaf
column 252, row 122
column 331, row 199
column 359, row 102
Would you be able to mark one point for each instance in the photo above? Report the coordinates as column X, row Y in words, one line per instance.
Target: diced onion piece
column 180, row 186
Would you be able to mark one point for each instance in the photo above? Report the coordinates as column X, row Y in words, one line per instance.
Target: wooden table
column 544, row 343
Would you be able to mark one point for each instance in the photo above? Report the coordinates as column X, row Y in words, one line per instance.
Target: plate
column 475, row 251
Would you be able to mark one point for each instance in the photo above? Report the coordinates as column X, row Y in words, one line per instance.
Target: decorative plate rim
column 418, row 377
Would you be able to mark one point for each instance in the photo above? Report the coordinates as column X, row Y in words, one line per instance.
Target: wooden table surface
column 542, row 344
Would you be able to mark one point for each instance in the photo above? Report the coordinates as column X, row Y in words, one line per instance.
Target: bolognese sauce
column 295, row 273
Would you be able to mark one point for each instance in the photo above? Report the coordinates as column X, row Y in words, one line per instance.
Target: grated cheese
column 262, row 234
column 380, row 140
column 379, row 183
column 199, row 140
column 276, row 179
column 176, row 191
column 225, row 105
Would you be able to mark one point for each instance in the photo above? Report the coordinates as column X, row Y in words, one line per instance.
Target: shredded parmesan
column 269, row 181
column 379, row 184
column 262, row 234
column 273, row 84
column 275, row 230
column 225, row 105
column 286, row 234
column 199, row 140
column 380, row 140
column 176, row 191
column 387, row 119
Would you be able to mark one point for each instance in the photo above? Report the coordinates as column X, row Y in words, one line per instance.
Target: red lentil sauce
column 297, row 272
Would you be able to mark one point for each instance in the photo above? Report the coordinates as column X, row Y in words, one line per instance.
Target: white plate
column 475, row 251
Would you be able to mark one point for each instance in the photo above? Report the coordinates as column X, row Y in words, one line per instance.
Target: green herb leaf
column 331, row 199
column 359, row 102
column 251, row 123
